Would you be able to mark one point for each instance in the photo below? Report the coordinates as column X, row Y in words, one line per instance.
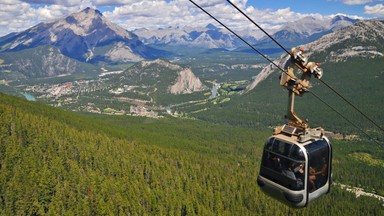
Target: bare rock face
column 122, row 53
column 46, row 62
column 186, row 83
column 163, row 76
column 364, row 39
column 54, row 63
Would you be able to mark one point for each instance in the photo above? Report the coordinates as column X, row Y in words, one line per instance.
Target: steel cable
column 281, row 69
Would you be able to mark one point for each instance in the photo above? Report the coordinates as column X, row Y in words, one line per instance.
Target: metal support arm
column 291, row 115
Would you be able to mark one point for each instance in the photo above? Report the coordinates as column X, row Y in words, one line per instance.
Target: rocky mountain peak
column 186, row 83
column 89, row 21
column 340, row 17
column 78, row 35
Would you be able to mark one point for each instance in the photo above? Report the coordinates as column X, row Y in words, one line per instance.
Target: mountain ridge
column 340, row 45
column 76, row 35
column 86, row 36
column 209, row 36
column 306, row 29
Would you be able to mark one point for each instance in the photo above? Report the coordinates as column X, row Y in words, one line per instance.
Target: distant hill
column 154, row 72
column 41, row 61
column 157, row 81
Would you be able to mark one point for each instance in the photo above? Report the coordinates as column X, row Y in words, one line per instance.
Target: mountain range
column 80, row 41
column 209, row 36
column 304, row 30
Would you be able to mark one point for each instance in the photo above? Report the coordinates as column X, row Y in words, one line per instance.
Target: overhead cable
column 260, row 53
column 281, row 46
column 277, row 66
column 345, row 118
column 322, row 81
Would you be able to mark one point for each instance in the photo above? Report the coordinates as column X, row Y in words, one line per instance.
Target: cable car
column 296, row 169
column 297, row 160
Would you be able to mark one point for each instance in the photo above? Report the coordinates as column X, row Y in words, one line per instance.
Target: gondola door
column 319, row 168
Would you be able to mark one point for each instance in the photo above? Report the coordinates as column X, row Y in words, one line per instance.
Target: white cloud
column 8, row 16
column 54, row 2
column 377, row 10
column 17, row 15
column 114, row 2
column 9, row 2
column 356, row 2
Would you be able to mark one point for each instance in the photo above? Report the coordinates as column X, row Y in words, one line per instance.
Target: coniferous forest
column 55, row 162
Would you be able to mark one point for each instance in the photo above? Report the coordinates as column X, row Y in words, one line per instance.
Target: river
column 28, row 96
column 214, row 91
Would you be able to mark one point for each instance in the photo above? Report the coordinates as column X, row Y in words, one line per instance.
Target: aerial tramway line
column 296, row 166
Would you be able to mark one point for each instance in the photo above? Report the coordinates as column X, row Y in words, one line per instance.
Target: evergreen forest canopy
column 265, row 106
column 55, row 162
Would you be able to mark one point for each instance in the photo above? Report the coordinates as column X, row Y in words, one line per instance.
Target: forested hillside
column 59, row 163
column 266, row 105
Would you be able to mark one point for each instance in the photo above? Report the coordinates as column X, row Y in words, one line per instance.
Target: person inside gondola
column 276, row 163
column 289, row 172
column 323, row 173
column 318, row 178
column 312, row 179
column 295, row 172
column 299, row 173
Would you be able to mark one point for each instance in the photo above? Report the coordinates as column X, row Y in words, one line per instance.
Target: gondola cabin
column 296, row 169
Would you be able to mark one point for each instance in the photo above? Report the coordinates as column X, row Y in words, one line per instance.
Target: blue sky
column 18, row 15
column 324, row 7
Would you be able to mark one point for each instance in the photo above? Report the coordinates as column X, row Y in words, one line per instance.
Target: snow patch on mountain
column 52, row 36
